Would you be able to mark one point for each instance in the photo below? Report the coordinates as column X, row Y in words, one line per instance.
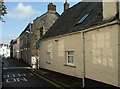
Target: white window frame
column 66, row 55
column 48, row 55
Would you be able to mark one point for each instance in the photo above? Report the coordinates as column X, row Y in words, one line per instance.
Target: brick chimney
column 51, row 7
column 66, row 5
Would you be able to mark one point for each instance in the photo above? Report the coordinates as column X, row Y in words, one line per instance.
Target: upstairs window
column 83, row 18
column 31, row 25
column 48, row 57
column 41, row 31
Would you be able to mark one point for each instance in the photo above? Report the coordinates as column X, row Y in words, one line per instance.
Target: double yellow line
column 5, row 68
column 51, row 82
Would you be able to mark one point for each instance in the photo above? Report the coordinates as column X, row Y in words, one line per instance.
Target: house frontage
column 24, row 46
column 84, row 43
column 40, row 27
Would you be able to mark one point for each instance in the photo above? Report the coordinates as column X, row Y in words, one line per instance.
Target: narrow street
column 17, row 75
column 63, row 44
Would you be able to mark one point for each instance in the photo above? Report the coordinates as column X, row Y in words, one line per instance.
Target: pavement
column 69, row 82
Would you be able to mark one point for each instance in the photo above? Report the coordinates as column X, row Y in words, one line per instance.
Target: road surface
column 17, row 75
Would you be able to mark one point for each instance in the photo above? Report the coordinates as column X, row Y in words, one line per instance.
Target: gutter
column 89, row 29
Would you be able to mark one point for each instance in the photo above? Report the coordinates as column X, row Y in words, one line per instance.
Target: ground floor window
column 69, row 57
column 48, row 55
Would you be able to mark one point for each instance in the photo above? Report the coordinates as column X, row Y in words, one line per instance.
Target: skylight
column 83, row 18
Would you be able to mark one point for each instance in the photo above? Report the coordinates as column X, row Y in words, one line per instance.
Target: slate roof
column 38, row 18
column 51, row 12
column 67, row 22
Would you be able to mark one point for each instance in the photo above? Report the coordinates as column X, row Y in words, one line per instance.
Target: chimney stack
column 51, row 7
column 110, row 9
column 66, row 5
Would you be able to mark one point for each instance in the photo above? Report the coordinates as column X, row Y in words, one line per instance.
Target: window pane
column 48, row 56
column 70, row 52
column 83, row 18
column 70, row 59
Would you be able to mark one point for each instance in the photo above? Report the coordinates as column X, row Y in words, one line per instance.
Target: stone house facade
column 26, row 41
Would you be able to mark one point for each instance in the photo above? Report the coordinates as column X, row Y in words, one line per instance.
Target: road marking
column 17, row 75
column 10, row 80
column 24, row 74
column 16, row 68
column 21, row 75
column 21, row 79
column 13, row 75
column 48, row 80
column 6, row 76
column 31, row 74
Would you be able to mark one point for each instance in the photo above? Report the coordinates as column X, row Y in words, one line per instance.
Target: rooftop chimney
column 110, row 9
column 66, row 5
column 51, row 7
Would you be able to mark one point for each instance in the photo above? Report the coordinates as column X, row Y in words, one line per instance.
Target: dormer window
column 83, row 18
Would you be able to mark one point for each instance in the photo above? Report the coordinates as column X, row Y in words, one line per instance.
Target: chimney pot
column 51, row 7
column 66, row 5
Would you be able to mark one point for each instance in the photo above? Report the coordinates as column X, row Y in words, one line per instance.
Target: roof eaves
column 82, row 29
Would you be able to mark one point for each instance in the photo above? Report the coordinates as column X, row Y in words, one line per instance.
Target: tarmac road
column 17, row 75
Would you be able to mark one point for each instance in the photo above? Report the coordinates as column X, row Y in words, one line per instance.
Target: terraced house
column 26, row 42
column 84, row 43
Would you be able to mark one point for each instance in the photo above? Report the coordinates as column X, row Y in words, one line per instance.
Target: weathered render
column 94, row 41
column 110, row 9
column 101, row 54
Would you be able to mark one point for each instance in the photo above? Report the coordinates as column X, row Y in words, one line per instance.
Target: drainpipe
column 119, row 8
column 83, row 58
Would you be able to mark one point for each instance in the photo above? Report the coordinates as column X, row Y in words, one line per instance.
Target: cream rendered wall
column 110, row 9
column 101, row 54
column 71, row 42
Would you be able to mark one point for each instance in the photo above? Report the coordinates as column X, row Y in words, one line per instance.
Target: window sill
column 70, row 65
column 48, row 62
